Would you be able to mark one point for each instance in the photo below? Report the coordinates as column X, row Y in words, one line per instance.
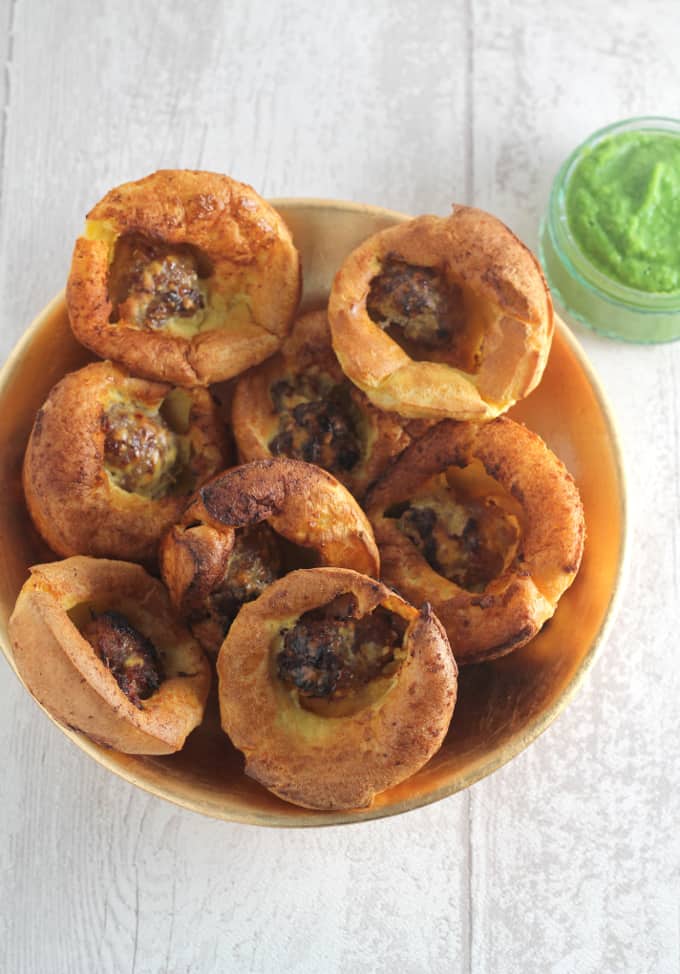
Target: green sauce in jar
column 610, row 239
column 623, row 209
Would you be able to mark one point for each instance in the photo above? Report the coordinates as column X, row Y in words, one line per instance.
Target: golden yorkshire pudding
column 442, row 317
column 484, row 522
column 249, row 526
column 335, row 688
column 299, row 404
column 189, row 277
column 112, row 460
column 96, row 642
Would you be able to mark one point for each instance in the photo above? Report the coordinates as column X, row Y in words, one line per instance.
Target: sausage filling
column 141, row 452
column 470, row 541
column 329, row 653
column 418, row 300
column 316, row 422
column 133, row 659
column 151, row 284
column 254, row 563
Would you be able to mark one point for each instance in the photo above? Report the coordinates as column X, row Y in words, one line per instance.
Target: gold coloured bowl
column 502, row 705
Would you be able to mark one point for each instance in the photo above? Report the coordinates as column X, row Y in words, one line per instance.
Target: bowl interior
column 502, row 705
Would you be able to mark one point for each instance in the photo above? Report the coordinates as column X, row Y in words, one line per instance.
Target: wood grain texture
column 575, row 862
column 567, row 860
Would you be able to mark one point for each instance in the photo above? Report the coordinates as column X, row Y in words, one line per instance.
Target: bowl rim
column 480, row 770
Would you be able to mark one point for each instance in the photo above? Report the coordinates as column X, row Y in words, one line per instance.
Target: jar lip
column 569, row 251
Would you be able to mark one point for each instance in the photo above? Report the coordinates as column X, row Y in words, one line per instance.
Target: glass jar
column 587, row 292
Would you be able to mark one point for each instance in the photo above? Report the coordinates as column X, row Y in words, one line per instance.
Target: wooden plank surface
column 579, row 861
column 566, row 860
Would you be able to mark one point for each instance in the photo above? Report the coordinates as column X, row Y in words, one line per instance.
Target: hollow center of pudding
column 158, row 286
column 226, row 577
column 254, row 563
column 142, row 454
column 424, row 313
column 330, row 654
column 468, row 539
column 133, row 659
column 318, row 422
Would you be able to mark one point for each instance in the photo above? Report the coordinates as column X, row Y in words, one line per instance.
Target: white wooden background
column 567, row 860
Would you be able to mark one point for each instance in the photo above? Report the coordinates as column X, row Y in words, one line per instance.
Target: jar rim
column 572, row 256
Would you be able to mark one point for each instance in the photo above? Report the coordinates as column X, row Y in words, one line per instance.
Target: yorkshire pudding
column 299, row 404
column 112, row 459
column 188, row 277
column 96, row 643
column 250, row 525
column 335, row 688
column 442, row 317
column 484, row 522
